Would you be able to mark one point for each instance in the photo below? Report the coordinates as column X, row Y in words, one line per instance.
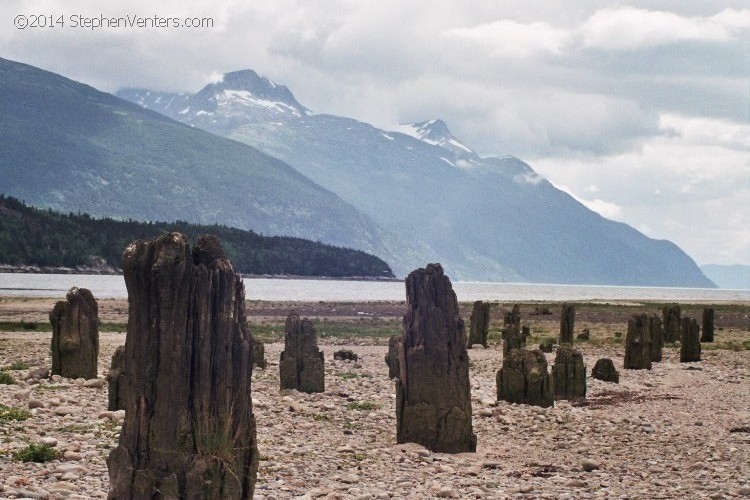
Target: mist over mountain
column 69, row 147
column 732, row 277
column 484, row 218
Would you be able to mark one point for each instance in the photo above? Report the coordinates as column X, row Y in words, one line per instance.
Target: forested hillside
column 31, row 236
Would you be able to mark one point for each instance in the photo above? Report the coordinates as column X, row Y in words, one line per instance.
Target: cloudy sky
column 639, row 109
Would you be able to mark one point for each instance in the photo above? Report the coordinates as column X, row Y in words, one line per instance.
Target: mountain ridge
column 484, row 218
column 70, row 147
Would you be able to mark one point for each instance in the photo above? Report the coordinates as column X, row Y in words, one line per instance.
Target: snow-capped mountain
column 483, row 218
column 436, row 132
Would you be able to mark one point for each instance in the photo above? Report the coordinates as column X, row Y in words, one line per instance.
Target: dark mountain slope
column 69, row 147
column 31, row 236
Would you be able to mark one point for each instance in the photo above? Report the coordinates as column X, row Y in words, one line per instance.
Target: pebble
column 35, row 403
column 322, row 450
column 49, row 441
column 589, row 465
column 95, row 383
column 64, row 410
column 72, row 455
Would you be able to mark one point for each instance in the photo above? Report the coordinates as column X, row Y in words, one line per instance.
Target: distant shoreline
column 113, row 271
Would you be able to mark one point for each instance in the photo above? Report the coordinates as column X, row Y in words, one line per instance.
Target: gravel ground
column 677, row 431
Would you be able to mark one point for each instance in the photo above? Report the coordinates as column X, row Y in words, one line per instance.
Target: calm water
column 56, row 285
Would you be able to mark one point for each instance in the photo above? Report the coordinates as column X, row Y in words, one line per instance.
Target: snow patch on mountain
column 246, row 98
column 436, row 133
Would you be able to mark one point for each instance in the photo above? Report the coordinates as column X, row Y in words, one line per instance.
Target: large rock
column 569, row 374
column 480, row 324
column 433, row 399
column 671, row 320
column 301, row 366
column 638, row 343
column 116, row 381
column 690, row 345
column 189, row 430
column 75, row 335
column 524, row 378
column 604, row 370
column 708, row 325
column 567, row 323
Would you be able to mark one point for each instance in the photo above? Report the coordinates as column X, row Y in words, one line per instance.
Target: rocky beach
column 680, row 430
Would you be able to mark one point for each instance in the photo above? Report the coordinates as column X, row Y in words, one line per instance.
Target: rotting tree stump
column 690, row 345
column 391, row 359
column 259, row 354
column 189, row 430
column 638, row 343
column 671, row 323
column 524, row 379
column 75, row 335
column 567, row 323
column 513, row 336
column 301, row 364
column 707, row 334
column 345, row 355
column 116, row 381
column 513, row 317
column 479, row 324
column 569, row 374
column 433, row 399
column 604, row 370
column 657, row 338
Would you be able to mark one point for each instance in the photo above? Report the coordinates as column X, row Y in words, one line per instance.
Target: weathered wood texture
column 391, row 359
column 116, row 381
column 433, row 399
column 707, row 334
column 513, row 336
column 638, row 343
column 480, row 324
column 567, row 323
column 690, row 345
column 569, row 374
column 75, row 335
column 657, row 337
column 524, row 378
column 671, row 323
column 259, row 354
column 301, row 365
column 604, row 370
column 189, row 430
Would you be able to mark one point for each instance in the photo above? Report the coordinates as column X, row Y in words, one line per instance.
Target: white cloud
column 680, row 186
column 626, row 105
column 604, row 208
column 509, row 38
column 627, row 28
column 528, row 178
